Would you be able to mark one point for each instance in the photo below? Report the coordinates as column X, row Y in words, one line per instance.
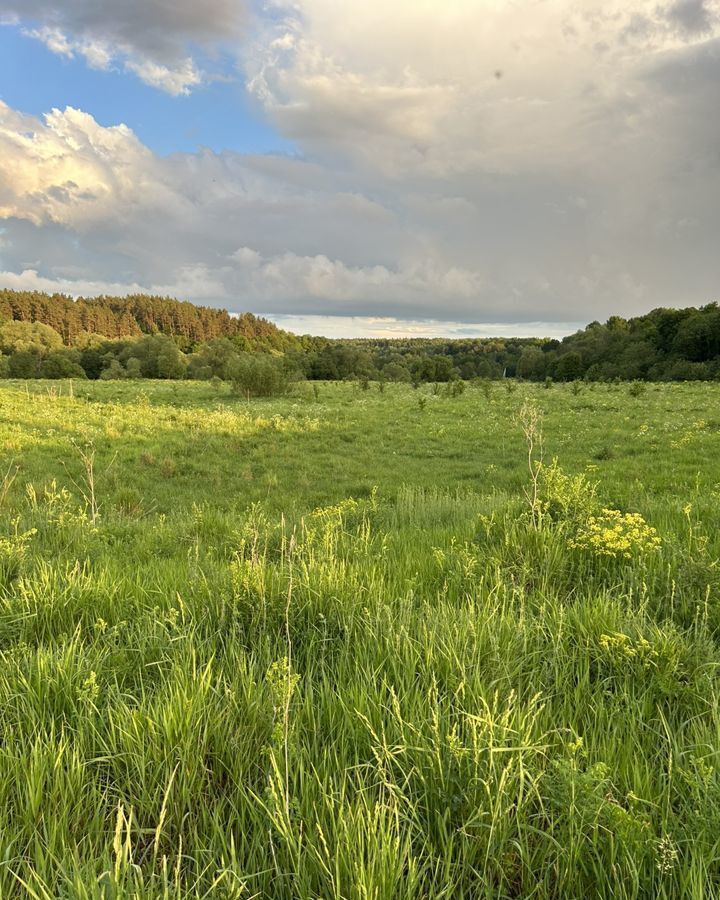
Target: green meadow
column 359, row 643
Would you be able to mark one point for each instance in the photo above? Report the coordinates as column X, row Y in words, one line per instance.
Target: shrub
column 570, row 499
column 260, row 375
column 486, row 387
column 637, row 388
column 455, row 387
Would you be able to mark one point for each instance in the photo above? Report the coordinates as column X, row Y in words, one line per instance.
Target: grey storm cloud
column 584, row 182
column 158, row 28
column 693, row 16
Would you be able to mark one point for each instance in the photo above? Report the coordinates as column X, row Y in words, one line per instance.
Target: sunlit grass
column 241, row 682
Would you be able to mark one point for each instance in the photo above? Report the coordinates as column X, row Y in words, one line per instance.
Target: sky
column 389, row 168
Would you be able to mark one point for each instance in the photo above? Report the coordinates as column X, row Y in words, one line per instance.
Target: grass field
column 324, row 647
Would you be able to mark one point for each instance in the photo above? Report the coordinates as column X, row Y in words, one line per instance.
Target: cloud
column 289, row 278
column 176, row 79
column 96, row 53
column 152, row 39
column 693, row 16
column 30, row 280
column 413, row 89
column 70, row 170
column 581, row 182
column 283, row 281
column 197, row 284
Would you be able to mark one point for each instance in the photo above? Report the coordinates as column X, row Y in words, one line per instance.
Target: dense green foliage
column 152, row 337
column 334, row 644
column 664, row 345
column 118, row 317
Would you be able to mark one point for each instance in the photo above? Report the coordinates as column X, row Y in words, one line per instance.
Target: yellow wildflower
column 616, row 534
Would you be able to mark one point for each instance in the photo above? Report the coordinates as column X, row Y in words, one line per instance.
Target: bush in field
column 260, row 375
column 570, row 499
column 454, row 388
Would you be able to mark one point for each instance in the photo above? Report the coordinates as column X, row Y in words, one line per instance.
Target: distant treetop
column 119, row 317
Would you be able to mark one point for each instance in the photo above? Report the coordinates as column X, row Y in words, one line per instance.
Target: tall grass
column 419, row 693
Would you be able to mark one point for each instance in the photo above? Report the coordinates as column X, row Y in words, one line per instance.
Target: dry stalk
column 530, row 419
column 87, row 489
column 7, row 481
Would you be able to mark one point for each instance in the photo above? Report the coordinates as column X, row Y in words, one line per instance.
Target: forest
column 54, row 336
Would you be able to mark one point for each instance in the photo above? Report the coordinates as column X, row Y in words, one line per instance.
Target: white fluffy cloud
column 71, row 171
column 31, row 280
column 550, row 161
column 176, row 79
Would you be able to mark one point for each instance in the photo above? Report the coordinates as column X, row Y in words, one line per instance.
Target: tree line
column 54, row 336
column 138, row 314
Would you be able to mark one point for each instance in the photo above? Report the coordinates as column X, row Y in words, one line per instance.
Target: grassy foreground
column 321, row 647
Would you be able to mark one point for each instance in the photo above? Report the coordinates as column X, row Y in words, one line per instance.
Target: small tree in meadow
column 260, row 375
